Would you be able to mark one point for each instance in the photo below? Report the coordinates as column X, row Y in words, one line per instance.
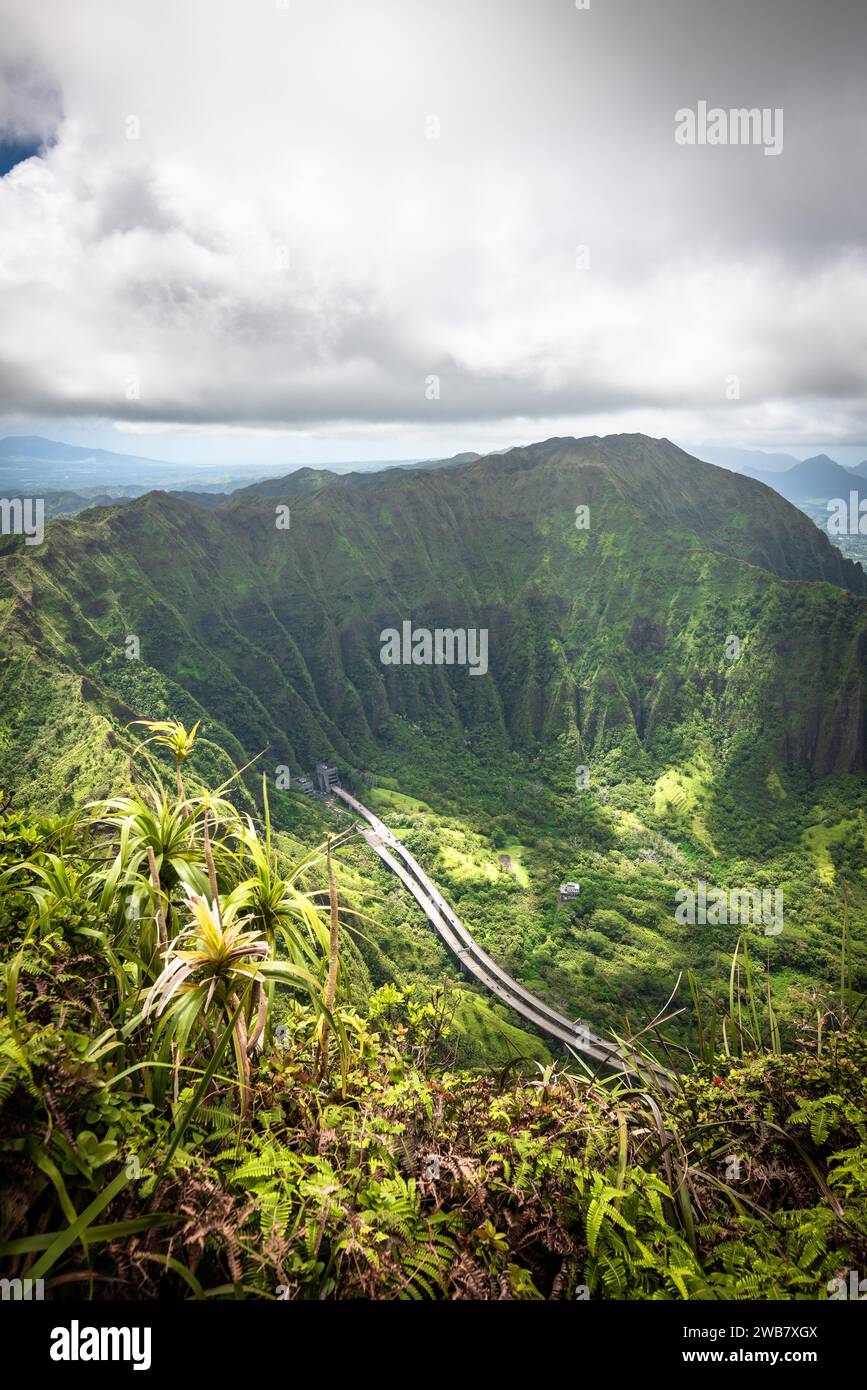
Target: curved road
column 479, row 964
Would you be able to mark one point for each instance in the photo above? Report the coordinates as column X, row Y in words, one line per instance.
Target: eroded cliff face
column 685, row 605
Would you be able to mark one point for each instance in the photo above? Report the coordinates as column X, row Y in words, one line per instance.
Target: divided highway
column 479, row 964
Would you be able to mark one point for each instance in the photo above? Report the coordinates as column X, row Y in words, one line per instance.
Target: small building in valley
column 569, row 891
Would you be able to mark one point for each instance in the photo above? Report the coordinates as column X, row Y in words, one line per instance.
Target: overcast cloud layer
column 284, row 246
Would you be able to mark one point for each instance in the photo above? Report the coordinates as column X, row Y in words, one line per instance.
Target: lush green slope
column 616, row 634
column 609, row 647
column 189, row 1111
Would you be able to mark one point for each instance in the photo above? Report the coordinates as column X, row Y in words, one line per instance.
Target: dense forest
column 205, row 1093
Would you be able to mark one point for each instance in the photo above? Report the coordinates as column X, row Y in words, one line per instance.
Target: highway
column 478, row 964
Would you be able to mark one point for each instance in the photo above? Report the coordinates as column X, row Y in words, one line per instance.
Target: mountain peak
column 823, row 459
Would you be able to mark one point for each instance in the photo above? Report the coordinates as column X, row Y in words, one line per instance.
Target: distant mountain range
column 742, row 460
column 798, row 480
column 814, row 478
column 31, row 462
column 33, row 448
column 71, row 478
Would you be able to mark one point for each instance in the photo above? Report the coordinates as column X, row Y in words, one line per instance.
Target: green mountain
column 698, row 647
column 616, row 634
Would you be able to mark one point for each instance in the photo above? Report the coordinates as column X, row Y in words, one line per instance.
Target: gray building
column 328, row 777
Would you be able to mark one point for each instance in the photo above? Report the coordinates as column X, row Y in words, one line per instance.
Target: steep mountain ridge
column 614, row 635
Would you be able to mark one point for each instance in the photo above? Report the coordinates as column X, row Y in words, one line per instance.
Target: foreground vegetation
column 194, row 1107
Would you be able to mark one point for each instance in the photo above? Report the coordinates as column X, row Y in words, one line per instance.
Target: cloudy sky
column 248, row 229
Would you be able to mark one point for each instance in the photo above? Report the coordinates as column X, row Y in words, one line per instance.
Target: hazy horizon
column 384, row 245
column 272, row 456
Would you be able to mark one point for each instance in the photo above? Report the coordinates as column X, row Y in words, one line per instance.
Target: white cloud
column 282, row 246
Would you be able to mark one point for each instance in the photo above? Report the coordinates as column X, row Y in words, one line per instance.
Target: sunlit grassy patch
column 464, row 867
column 819, row 838
column 682, row 792
column 484, row 1038
column 383, row 799
column 517, row 870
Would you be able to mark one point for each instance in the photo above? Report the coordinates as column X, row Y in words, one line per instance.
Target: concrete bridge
column 480, row 965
